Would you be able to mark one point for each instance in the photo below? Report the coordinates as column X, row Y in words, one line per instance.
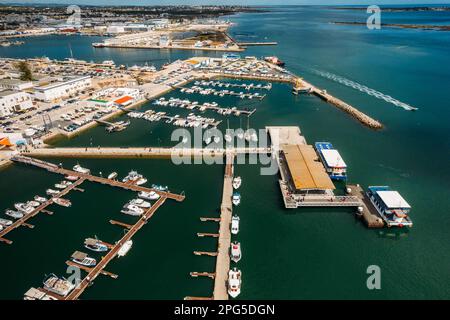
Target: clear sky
column 229, row 2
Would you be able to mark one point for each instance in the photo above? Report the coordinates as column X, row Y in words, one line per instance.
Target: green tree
column 25, row 71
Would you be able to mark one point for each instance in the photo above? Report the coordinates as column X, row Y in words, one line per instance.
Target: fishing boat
column 135, row 178
column 234, row 282
column 235, row 225
column 132, row 210
column 62, row 202
column 83, row 259
column 40, row 199
column 152, row 195
column 95, row 245
column 125, row 248
column 236, row 251
column 80, row 169
column 390, row 205
column 22, row 207
column 236, row 199
column 237, row 182
column 332, row 160
column 112, row 176
column 52, row 192
column 71, row 178
column 57, row 285
column 14, row 214
column 5, row 222
column 140, row 203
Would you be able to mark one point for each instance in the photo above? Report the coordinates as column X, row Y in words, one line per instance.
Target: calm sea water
column 287, row 254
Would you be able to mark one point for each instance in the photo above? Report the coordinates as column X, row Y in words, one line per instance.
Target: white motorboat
column 80, row 169
column 52, row 192
column 40, row 199
column 112, row 176
column 22, row 207
column 135, row 178
column 60, row 186
column 5, row 222
column 71, row 178
column 125, row 248
column 95, row 245
column 152, row 195
column 140, row 203
column 237, row 182
column 14, row 214
column 33, row 203
column 234, row 282
column 235, row 225
column 60, row 286
column 132, row 210
column 83, row 259
column 62, row 202
column 236, row 199
column 236, row 251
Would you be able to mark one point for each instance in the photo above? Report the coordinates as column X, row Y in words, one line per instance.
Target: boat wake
column 365, row 89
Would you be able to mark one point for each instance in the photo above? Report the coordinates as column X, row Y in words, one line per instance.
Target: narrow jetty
column 226, row 210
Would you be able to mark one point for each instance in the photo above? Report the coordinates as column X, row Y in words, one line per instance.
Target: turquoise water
column 289, row 254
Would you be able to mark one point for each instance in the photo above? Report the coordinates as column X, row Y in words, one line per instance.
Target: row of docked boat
column 191, row 121
column 246, row 86
column 235, row 275
column 190, row 105
column 391, row 206
column 221, row 93
column 117, row 126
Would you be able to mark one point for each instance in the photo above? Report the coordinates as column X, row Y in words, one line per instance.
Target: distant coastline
column 404, row 8
column 401, row 26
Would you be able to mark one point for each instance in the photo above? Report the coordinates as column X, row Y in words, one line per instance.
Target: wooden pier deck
column 114, row 183
column 23, row 221
column 98, row 269
column 369, row 213
column 223, row 258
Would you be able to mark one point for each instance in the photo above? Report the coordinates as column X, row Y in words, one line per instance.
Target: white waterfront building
column 64, row 87
column 14, row 101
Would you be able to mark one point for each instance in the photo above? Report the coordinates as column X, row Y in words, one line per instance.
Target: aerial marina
column 266, row 158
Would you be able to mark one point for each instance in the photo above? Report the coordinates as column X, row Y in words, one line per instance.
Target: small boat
column 152, row 195
column 132, row 210
column 60, row 186
column 52, row 192
column 71, row 178
column 112, row 176
column 40, row 199
column 140, row 203
column 83, row 259
column 14, row 214
column 33, row 204
column 236, row 251
column 237, row 182
column 22, row 207
column 160, row 188
column 80, row 169
column 236, row 198
column 62, row 202
column 135, row 178
column 234, row 282
column 57, row 285
column 125, row 248
column 37, row 294
column 5, row 222
column 95, row 245
column 235, row 225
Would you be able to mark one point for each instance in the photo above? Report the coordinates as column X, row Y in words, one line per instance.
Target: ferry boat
column 112, row 176
column 140, row 203
column 235, row 225
column 60, row 286
column 332, row 160
column 274, row 60
column 80, row 169
column 62, row 202
column 125, row 248
column 236, row 251
column 40, row 199
column 234, row 282
column 135, row 178
column 390, row 205
column 83, row 259
column 237, row 182
column 152, row 195
column 52, row 192
column 24, row 208
column 132, row 210
column 5, row 222
column 236, row 198
column 14, row 214
column 95, row 245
